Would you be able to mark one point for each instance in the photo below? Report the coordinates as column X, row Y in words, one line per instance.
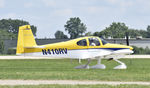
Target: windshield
column 104, row 41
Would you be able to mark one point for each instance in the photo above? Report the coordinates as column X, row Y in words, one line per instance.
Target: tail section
column 25, row 39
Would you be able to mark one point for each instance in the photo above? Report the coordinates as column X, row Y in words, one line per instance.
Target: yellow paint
column 116, row 46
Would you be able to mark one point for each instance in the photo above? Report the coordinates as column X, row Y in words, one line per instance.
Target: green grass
column 76, row 86
column 8, row 55
column 138, row 70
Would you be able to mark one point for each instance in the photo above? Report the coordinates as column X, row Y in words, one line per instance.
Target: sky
column 51, row 15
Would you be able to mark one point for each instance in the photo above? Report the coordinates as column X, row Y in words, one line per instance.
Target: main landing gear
column 85, row 66
column 101, row 66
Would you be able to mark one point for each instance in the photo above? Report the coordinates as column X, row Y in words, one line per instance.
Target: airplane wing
column 119, row 53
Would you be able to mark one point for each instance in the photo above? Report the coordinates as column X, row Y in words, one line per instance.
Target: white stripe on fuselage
column 81, row 53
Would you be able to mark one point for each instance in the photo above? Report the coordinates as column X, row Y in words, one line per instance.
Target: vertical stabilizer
column 25, row 39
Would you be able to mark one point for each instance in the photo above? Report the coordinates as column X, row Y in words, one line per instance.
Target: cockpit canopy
column 82, row 42
column 104, row 41
column 93, row 41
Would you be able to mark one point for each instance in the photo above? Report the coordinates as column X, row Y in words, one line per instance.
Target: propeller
column 127, row 38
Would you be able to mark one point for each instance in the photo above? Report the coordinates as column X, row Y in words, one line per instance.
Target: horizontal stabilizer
column 35, row 47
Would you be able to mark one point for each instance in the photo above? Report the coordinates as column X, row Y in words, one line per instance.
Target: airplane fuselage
column 71, row 49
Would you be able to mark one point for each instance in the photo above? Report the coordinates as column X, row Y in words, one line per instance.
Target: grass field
column 138, row 70
column 76, row 86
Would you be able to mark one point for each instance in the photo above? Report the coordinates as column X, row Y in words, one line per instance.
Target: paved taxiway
column 39, row 57
column 66, row 82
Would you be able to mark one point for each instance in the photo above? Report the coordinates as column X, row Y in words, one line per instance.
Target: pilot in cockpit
column 92, row 43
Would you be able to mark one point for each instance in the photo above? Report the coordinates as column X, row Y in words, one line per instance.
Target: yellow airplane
column 91, row 47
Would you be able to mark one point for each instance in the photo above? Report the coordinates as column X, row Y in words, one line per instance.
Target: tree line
column 119, row 30
column 9, row 30
column 76, row 28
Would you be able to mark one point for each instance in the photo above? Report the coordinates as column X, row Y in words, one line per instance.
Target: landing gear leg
column 121, row 66
column 99, row 65
column 86, row 66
